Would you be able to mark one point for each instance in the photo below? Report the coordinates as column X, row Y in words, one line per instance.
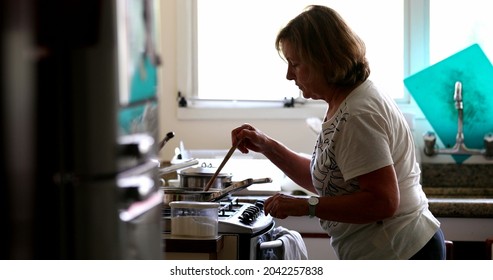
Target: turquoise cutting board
column 433, row 89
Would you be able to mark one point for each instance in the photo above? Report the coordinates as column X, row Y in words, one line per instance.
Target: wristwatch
column 312, row 204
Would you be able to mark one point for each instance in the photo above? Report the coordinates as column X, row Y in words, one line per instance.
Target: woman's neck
column 339, row 94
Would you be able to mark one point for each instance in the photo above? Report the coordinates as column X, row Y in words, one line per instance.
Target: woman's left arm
column 377, row 200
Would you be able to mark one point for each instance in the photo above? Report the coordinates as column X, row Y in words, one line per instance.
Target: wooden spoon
column 226, row 158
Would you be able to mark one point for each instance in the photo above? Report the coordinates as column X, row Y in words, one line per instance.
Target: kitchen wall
column 210, row 134
column 214, row 133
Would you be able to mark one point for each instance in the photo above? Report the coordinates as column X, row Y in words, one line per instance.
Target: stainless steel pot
column 198, row 177
column 197, row 194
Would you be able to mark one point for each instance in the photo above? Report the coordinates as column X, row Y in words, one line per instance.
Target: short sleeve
column 363, row 146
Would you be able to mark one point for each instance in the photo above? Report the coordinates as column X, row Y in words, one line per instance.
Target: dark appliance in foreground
column 78, row 130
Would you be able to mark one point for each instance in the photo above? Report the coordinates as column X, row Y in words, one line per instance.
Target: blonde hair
column 325, row 42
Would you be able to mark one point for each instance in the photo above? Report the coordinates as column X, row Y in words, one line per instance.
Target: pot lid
column 203, row 171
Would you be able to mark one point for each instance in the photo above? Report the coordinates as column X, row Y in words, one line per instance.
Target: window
column 455, row 25
column 233, row 53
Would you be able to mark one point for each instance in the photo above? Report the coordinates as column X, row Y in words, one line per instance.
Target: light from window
column 455, row 25
column 237, row 59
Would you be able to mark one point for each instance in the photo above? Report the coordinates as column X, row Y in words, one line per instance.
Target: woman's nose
column 289, row 74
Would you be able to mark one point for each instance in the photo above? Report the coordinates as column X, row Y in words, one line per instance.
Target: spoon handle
column 226, row 158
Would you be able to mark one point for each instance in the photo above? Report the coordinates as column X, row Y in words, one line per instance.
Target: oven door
column 244, row 246
column 282, row 244
column 251, row 247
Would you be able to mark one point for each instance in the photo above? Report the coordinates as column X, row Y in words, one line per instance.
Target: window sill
column 241, row 113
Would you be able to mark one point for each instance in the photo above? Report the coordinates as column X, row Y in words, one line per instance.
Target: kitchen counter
column 464, row 191
column 459, row 190
column 457, row 176
column 462, row 207
column 449, row 207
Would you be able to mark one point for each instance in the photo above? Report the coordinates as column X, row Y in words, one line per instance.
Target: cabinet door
column 319, row 248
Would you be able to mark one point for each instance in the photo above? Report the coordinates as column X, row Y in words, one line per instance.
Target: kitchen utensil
column 212, row 195
column 226, row 158
column 166, row 138
column 177, row 166
column 197, row 177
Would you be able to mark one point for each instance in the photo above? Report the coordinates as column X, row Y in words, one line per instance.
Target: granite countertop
column 463, row 191
column 457, row 175
column 460, row 202
column 445, row 207
column 461, row 207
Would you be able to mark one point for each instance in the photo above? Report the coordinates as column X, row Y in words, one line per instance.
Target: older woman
column 363, row 166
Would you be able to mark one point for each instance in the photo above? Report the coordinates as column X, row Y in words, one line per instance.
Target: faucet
column 459, row 148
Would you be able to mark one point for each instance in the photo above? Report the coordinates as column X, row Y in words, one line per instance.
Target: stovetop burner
column 234, row 216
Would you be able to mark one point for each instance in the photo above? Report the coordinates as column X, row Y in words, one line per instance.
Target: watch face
column 313, row 200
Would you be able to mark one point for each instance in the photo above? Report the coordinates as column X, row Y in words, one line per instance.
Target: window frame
column 416, row 58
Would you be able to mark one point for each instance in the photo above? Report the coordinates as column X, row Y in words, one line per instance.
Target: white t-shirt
column 367, row 133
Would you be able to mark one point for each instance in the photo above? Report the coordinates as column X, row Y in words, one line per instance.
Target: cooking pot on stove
column 198, row 177
column 198, row 194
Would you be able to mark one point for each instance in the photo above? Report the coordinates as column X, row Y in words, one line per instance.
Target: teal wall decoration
column 433, row 90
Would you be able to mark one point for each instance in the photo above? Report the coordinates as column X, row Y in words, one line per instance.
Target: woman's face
column 311, row 83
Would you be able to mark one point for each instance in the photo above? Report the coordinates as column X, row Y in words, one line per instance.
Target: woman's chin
column 309, row 96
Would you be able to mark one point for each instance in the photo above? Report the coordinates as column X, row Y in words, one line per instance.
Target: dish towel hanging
column 293, row 245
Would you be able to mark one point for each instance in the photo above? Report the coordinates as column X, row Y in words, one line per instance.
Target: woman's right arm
column 294, row 165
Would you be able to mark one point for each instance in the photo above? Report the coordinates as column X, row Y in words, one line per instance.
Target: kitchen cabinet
column 317, row 242
column 467, row 229
column 469, row 236
column 319, row 248
column 183, row 248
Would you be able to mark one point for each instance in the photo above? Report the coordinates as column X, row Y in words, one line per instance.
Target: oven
column 244, row 229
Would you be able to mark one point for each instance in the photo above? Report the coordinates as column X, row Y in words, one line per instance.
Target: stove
column 243, row 226
column 235, row 216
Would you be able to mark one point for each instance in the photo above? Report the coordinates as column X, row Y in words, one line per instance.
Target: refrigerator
column 79, row 89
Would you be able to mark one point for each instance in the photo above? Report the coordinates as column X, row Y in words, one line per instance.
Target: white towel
column 293, row 245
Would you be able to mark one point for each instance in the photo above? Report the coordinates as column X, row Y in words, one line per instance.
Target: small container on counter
column 194, row 219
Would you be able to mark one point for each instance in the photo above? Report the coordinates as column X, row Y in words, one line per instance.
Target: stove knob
column 246, row 218
column 251, row 212
column 254, row 209
column 260, row 204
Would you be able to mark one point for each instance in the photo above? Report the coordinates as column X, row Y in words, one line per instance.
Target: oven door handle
column 271, row 244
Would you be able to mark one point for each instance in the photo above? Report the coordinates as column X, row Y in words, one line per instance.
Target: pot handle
column 236, row 186
column 261, row 181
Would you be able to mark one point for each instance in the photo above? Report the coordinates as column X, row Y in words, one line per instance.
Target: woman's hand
column 251, row 138
column 282, row 206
